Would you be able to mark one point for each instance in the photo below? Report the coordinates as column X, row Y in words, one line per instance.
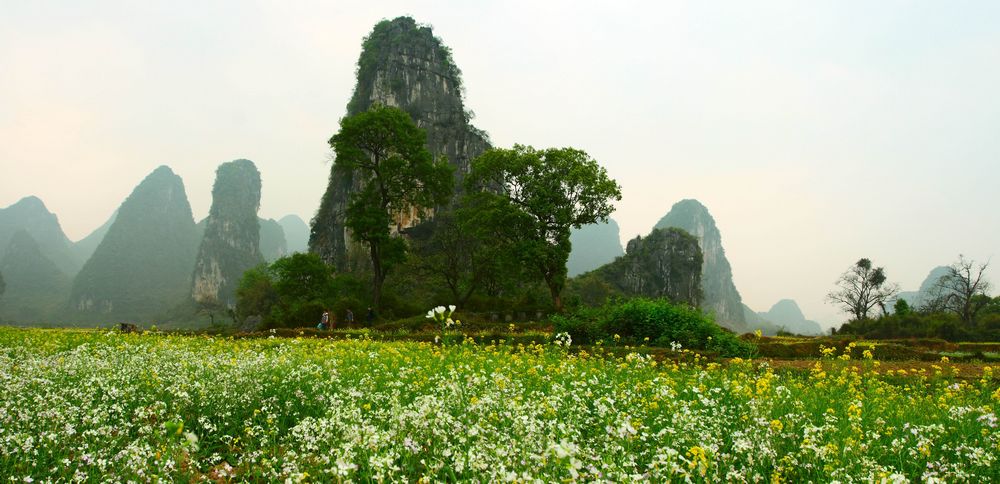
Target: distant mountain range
column 137, row 265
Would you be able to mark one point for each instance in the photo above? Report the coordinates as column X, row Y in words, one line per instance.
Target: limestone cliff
column 231, row 243
column 142, row 267
column 665, row 264
column 721, row 296
column 402, row 64
column 593, row 246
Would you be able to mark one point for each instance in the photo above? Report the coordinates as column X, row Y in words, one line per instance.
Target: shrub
column 661, row 322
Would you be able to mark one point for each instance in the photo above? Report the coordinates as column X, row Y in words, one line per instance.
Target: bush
column 661, row 322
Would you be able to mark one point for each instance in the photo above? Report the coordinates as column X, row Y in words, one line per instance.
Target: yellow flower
column 777, row 426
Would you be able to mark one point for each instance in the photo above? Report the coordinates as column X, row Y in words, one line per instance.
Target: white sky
column 815, row 132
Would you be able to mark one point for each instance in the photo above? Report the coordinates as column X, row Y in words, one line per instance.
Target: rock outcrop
column 231, row 243
column 720, row 294
column 142, row 267
column 593, row 246
column 296, row 233
column 35, row 286
column 402, row 64
column 665, row 264
column 30, row 215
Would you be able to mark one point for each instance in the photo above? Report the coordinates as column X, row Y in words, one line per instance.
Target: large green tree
column 384, row 153
column 532, row 198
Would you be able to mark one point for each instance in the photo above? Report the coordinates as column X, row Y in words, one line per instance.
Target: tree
column 466, row 258
column 533, row 197
column 862, row 288
column 384, row 153
column 901, row 307
column 963, row 290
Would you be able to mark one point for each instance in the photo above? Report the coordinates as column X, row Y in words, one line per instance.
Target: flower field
column 95, row 406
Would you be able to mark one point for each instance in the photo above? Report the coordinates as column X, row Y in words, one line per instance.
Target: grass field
column 92, row 405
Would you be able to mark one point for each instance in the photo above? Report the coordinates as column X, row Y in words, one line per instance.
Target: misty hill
column 917, row 298
column 35, row 286
column 31, row 215
column 142, row 267
column 786, row 314
column 664, row 264
column 593, row 246
column 273, row 245
column 231, row 241
column 296, row 233
column 754, row 321
column 720, row 294
column 402, row 64
column 85, row 247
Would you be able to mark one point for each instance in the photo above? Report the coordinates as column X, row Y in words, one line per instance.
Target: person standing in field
column 371, row 316
column 324, row 320
column 349, row 317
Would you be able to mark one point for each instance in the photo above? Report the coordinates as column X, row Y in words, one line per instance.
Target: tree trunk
column 556, row 293
column 378, row 276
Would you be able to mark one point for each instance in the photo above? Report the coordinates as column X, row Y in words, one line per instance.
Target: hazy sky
column 815, row 132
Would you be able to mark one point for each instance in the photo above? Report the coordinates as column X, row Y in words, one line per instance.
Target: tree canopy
column 532, row 198
column 396, row 179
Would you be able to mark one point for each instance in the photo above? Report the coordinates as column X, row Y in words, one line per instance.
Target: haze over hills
column 35, row 286
column 296, row 233
column 593, row 246
column 85, row 247
column 273, row 244
column 720, row 294
column 142, row 267
column 402, row 64
column 917, row 298
column 31, row 215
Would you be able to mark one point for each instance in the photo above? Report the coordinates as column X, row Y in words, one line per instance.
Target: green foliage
column 901, row 307
column 464, row 258
column 384, row 152
column 946, row 326
column 651, row 321
column 532, row 198
column 294, row 291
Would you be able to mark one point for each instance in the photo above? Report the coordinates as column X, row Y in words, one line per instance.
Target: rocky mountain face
column 273, row 245
column 35, row 286
column 231, row 242
column 720, row 294
column 30, row 215
column 296, row 233
column 917, row 298
column 142, row 267
column 593, row 246
column 402, row 64
column 786, row 314
column 665, row 264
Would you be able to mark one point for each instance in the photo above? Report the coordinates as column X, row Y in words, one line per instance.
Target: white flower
column 430, row 314
column 451, row 308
